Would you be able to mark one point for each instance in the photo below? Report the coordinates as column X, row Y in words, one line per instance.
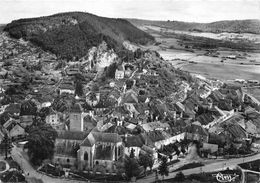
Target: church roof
column 72, row 135
column 95, row 137
column 76, row 108
column 134, row 141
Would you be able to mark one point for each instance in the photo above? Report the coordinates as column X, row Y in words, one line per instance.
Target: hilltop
column 72, row 34
column 234, row 26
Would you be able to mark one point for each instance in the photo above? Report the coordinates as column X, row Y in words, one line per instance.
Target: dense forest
column 72, row 34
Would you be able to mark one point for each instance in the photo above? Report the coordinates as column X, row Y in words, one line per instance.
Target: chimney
column 174, row 115
column 126, row 135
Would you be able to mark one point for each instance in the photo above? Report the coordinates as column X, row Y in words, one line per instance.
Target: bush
column 180, row 176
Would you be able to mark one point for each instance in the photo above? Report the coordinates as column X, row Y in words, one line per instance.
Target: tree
column 7, row 144
column 146, row 160
column 180, row 176
column 11, row 91
column 110, row 70
column 183, row 149
column 163, row 168
column 40, row 144
column 132, row 153
column 170, row 157
column 131, row 167
column 151, row 162
column 4, row 117
column 79, row 88
column 176, row 149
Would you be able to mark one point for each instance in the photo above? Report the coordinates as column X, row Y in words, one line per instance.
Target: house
column 13, row 108
column 14, row 129
column 52, row 118
column 26, row 120
column 133, row 143
column 130, row 97
column 72, row 71
column 67, row 89
column 232, row 129
column 156, row 125
column 119, row 112
column 10, row 123
column 251, row 128
column 76, row 118
column 132, row 110
column 45, row 104
column 2, row 90
column 119, row 74
column 128, row 72
column 195, row 131
column 101, row 149
column 231, row 56
column 157, row 138
column 114, row 94
column 142, row 108
column 17, row 132
column 210, row 147
column 151, row 151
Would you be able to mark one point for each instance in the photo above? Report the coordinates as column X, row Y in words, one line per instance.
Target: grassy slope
column 72, row 34
column 236, row 26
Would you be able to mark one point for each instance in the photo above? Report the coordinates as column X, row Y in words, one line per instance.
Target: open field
column 189, row 51
column 254, row 92
column 224, row 71
column 220, row 36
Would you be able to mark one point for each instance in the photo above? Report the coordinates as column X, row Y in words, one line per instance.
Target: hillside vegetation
column 2, row 27
column 234, row 26
column 71, row 34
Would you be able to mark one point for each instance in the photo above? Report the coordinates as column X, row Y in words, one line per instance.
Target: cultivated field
column 217, row 62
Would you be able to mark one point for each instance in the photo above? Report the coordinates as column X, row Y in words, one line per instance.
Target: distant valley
column 225, row 49
column 232, row 26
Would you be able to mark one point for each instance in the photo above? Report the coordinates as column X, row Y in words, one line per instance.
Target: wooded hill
column 72, row 34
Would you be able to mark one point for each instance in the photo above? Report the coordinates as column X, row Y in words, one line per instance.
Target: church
column 87, row 149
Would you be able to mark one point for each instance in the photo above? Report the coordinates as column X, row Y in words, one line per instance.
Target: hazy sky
column 183, row 10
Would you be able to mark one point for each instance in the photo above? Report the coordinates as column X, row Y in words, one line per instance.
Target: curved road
column 16, row 153
column 207, row 168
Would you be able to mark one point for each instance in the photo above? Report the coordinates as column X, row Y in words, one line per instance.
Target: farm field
column 224, row 71
column 215, row 62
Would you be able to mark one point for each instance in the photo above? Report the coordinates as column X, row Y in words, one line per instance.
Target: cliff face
column 100, row 57
column 73, row 34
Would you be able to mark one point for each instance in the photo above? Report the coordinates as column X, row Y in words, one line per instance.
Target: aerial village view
column 130, row 91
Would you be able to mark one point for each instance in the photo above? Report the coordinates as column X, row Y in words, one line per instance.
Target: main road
column 18, row 156
column 207, row 168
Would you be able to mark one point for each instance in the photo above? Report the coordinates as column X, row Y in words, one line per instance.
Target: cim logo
column 225, row 177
